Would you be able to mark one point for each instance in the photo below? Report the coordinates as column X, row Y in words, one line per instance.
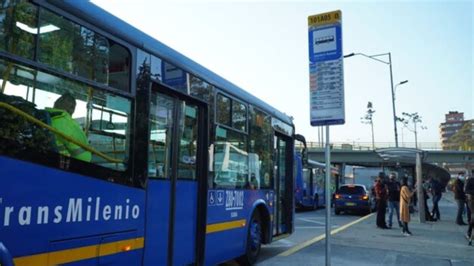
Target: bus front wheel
column 254, row 241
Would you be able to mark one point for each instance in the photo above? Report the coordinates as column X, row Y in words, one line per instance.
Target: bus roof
column 102, row 19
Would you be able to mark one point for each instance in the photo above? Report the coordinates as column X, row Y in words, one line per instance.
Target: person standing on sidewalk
column 381, row 197
column 405, row 198
column 393, row 199
column 426, row 186
column 460, row 197
column 469, row 190
column 436, row 193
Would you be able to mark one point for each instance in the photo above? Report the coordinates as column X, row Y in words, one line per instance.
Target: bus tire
column 254, row 241
column 337, row 212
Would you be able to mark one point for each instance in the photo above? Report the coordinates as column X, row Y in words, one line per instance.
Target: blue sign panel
column 325, row 43
column 326, row 69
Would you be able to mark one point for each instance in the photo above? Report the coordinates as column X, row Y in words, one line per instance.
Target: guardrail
column 366, row 146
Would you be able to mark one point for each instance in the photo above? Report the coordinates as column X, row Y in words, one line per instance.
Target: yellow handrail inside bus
column 57, row 132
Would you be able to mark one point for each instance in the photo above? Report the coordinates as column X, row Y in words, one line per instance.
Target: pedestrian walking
column 381, row 197
column 469, row 190
column 393, row 199
column 405, row 197
column 460, row 197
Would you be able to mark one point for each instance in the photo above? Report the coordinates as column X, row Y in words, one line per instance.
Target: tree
column 463, row 139
column 367, row 119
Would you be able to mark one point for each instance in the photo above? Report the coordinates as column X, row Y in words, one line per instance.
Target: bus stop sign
column 326, row 70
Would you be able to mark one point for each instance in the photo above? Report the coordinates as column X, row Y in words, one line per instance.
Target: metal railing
column 367, row 146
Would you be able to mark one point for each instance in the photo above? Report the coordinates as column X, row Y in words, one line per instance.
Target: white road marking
column 311, row 221
column 314, row 227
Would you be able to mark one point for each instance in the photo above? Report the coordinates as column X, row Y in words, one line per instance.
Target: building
column 454, row 121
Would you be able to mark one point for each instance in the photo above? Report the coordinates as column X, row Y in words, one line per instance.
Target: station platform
column 362, row 243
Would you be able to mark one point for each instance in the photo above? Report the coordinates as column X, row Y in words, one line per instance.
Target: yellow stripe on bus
column 82, row 253
column 212, row 228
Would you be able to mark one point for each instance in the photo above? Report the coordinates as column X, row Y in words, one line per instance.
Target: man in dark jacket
column 436, row 193
column 469, row 190
column 381, row 197
column 460, row 197
column 393, row 199
column 426, row 187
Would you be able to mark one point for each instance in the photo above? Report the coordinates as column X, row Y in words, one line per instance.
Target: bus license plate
column 350, row 204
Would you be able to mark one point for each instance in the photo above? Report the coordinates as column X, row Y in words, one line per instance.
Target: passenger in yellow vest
column 61, row 120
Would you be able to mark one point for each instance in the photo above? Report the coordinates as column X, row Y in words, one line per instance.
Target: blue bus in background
column 310, row 178
column 186, row 167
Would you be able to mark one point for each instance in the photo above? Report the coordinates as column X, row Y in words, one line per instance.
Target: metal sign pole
column 328, row 199
column 326, row 83
column 419, row 185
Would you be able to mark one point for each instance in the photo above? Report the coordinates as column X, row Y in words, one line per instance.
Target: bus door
column 177, row 180
column 283, row 185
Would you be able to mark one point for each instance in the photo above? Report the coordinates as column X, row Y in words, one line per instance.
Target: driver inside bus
column 61, row 119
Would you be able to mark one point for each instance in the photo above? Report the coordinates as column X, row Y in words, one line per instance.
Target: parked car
column 353, row 197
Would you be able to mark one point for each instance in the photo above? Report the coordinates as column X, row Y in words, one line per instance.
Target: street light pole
column 368, row 119
column 393, row 100
column 415, row 118
column 416, row 136
column 393, row 104
column 373, row 57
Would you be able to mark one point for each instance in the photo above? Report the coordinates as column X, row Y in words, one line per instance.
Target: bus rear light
column 337, row 196
column 365, row 197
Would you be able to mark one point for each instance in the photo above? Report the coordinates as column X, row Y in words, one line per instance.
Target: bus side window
column 17, row 19
column 102, row 116
column 260, row 135
column 231, row 160
column 70, row 47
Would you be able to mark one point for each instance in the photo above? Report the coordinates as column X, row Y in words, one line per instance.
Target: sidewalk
column 432, row 243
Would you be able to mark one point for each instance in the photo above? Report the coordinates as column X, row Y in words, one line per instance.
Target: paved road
column 308, row 225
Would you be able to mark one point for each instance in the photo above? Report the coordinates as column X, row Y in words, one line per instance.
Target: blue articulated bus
column 183, row 167
column 310, row 178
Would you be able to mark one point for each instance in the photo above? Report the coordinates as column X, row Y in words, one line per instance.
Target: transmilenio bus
column 186, row 167
column 310, row 178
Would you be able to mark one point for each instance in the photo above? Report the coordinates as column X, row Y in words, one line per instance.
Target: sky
column 262, row 46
